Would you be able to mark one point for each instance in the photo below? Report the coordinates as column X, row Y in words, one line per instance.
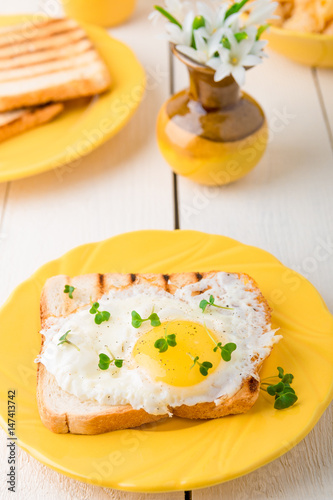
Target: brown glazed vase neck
column 211, row 94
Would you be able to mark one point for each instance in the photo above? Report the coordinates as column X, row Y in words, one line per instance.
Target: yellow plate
column 175, row 454
column 312, row 49
column 86, row 123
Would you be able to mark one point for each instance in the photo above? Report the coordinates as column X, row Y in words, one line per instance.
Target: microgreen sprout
column 105, row 361
column 69, row 289
column 226, row 349
column 100, row 316
column 203, row 367
column 164, row 342
column 64, row 340
column 282, row 391
column 204, row 303
column 137, row 320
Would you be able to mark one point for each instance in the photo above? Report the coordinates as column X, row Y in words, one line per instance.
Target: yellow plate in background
column 312, row 49
column 175, row 454
column 86, row 123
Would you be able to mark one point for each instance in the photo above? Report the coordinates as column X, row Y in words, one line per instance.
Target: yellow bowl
column 101, row 12
column 312, row 49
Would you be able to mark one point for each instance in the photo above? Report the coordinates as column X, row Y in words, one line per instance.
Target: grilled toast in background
column 52, row 60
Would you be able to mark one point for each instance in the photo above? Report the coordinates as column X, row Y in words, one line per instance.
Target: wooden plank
column 285, row 207
column 122, row 186
column 325, row 82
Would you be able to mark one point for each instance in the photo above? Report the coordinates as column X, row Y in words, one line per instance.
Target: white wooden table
column 284, row 206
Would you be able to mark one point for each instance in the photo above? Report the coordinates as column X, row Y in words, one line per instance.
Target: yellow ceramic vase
column 104, row 13
column 212, row 132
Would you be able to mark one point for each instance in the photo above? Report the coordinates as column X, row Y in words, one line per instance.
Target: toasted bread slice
column 62, row 412
column 15, row 122
column 50, row 61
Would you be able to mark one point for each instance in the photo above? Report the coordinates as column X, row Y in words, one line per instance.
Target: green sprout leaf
column 69, row 289
column 105, row 361
column 205, row 303
column 137, row 320
column 64, row 340
column 161, row 344
column 286, row 400
column 203, row 367
column 226, row 351
column 284, row 394
column 100, row 316
column 164, row 342
column 168, row 16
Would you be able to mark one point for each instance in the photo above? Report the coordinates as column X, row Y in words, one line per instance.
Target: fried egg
column 149, row 379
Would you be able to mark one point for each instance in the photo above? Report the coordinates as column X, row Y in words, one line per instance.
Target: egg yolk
column 174, row 365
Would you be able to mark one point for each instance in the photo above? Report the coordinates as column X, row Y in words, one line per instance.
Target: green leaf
column 288, row 389
column 230, row 346
column 154, row 319
column 118, row 363
column 203, row 371
column 225, row 42
column 69, row 289
column 161, row 344
column 203, row 304
column 98, row 318
column 285, row 401
column 261, row 29
column 168, row 16
column 211, row 300
column 273, row 389
column 241, row 36
column 226, row 351
column 288, row 378
column 106, row 315
column 207, row 364
column 281, row 371
column 236, row 7
column 104, row 361
column 171, row 340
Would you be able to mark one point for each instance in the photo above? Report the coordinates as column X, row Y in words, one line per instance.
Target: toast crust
column 31, row 118
column 106, row 418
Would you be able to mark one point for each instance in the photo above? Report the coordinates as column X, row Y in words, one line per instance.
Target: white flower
column 258, row 48
column 178, row 35
column 233, row 61
column 261, row 11
column 205, row 47
column 220, row 43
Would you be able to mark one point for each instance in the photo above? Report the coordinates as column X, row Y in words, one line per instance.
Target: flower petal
column 238, row 72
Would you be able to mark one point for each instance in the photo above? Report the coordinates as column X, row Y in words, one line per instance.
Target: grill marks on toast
column 48, row 61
